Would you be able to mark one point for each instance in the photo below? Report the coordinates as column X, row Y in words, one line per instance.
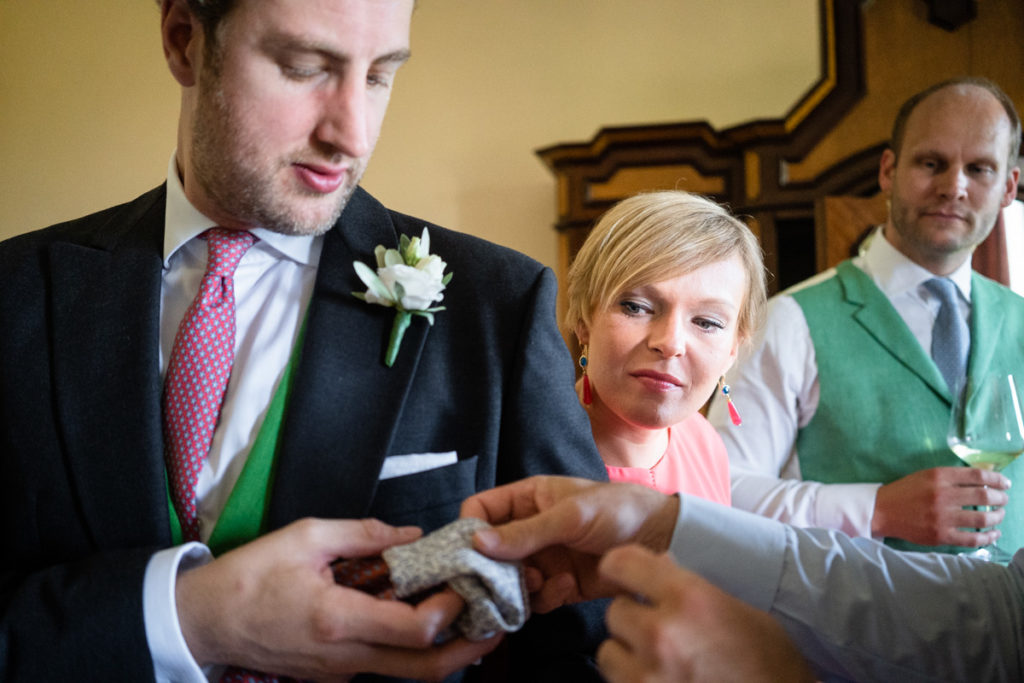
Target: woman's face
column 657, row 351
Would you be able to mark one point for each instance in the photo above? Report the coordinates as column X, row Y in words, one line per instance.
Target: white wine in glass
column 986, row 430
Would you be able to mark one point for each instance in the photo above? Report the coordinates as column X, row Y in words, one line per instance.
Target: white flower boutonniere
column 408, row 279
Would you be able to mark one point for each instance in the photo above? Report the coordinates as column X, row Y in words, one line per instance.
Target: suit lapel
column 106, row 309
column 345, row 403
column 876, row 315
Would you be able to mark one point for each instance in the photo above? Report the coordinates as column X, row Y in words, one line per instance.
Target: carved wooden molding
column 774, row 171
column 744, row 166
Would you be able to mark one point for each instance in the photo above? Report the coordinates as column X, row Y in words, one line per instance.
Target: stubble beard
column 242, row 179
column 914, row 233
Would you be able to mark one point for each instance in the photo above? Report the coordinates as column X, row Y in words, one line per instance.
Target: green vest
column 243, row 516
column 884, row 407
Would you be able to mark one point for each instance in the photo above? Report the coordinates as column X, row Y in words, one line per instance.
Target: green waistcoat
column 884, row 406
column 243, row 516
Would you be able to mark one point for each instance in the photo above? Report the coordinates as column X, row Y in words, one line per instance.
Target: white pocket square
column 402, row 465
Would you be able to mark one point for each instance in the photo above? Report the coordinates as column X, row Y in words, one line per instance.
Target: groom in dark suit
column 122, row 563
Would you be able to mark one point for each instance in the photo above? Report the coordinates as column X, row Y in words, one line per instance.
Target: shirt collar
column 896, row 274
column 184, row 222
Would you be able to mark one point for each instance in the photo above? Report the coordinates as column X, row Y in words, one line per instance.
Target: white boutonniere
column 408, row 279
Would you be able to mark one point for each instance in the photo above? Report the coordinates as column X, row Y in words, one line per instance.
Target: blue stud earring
column 587, row 398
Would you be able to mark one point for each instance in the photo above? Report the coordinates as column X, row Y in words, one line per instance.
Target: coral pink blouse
column 695, row 462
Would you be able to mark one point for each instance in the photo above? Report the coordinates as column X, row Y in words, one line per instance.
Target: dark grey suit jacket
column 82, row 482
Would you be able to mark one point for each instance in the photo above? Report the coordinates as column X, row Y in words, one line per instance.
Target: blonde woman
column 663, row 293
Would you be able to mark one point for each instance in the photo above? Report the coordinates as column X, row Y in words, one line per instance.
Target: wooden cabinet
column 776, row 173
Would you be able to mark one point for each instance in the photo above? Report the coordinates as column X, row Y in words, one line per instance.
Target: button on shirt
column 273, row 286
column 775, row 385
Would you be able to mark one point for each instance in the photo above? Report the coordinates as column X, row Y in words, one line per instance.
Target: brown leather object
column 372, row 575
column 368, row 574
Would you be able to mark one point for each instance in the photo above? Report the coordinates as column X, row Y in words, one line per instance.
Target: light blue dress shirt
column 857, row 609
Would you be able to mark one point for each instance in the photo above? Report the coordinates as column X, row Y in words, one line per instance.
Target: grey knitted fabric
column 494, row 591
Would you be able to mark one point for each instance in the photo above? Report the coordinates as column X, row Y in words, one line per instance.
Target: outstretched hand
column 927, row 507
column 561, row 526
column 669, row 625
column 273, row 606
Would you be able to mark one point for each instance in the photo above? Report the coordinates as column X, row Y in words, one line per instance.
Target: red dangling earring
column 587, row 398
column 734, row 414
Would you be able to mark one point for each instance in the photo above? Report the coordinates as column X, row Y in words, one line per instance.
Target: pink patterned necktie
column 198, row 372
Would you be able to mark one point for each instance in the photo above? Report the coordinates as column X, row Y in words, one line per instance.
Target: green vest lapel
column 882, row 321
column 987, row 321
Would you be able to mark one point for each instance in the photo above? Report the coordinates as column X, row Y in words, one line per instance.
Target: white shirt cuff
column 846, row 507
column 172, row 660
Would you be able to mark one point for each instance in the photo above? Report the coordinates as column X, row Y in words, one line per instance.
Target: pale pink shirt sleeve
column 775, row 389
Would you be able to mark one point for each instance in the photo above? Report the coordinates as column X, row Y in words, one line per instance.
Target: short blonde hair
column 656, row 236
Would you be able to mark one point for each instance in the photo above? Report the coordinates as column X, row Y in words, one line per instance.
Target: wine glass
column 986, row 430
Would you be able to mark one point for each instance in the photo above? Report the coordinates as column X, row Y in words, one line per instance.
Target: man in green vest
column 845, row 409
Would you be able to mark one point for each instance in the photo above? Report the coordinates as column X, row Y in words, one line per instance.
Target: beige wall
column 88, row 110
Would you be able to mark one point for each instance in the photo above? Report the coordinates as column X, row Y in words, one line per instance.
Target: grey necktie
column 950, row 336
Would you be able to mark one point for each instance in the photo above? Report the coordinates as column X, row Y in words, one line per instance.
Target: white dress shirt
column 775, row 387
column 857, row 609
column 273, row 286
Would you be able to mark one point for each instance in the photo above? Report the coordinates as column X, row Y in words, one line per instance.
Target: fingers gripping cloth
column 494, row 591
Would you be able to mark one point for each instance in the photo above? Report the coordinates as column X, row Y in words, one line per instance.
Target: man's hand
column 927, row 507
column 671, row 625
column 273, row 606
column 561, row 526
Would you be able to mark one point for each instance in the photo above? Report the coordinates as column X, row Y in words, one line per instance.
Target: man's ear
column 1012, row 178
column 181, row 34
column 886, row 168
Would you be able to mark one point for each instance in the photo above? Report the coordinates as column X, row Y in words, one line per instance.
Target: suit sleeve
column 545, row 431
column 70, row 605
column 75, row 621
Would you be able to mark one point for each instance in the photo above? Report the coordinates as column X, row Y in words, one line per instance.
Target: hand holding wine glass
column 986, row 431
